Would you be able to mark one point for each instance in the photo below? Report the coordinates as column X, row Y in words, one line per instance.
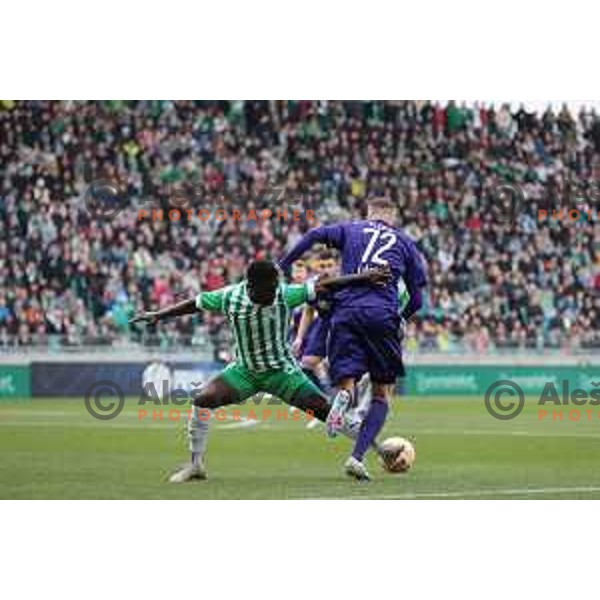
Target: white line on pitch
column 467, row 493
column 476, row 432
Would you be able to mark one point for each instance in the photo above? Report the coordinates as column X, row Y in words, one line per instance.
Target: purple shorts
column 365, row 340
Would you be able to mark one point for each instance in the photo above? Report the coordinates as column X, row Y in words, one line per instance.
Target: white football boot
column 189, row 472
column 354, row 468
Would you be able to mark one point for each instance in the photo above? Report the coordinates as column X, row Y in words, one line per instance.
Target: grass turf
column 52, row 448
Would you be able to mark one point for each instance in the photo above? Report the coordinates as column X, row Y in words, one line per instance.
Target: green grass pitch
column 52, row 448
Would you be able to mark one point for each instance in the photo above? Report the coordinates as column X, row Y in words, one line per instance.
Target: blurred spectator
column 494, row 282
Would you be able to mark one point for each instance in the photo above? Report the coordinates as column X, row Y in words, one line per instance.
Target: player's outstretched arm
column 187, row 307
column 414, row 304
column 212, row 301
column 330, row 235
column 415, row 280
column 379, row 276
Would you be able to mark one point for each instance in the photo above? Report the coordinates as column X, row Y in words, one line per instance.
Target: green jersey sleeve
column 295, row 295
column 403, row 296
column 212, row 301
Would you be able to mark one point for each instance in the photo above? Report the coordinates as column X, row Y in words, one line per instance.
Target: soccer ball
column 398, row 454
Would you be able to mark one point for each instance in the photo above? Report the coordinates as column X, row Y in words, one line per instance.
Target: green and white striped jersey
column 260, row 332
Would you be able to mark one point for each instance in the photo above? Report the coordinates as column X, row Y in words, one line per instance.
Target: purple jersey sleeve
column 414, row 277
column 330, row 235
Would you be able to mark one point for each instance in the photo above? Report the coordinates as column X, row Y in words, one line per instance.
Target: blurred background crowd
column 498, row 281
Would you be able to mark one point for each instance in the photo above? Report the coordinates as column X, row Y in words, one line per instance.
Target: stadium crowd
column 498, row 280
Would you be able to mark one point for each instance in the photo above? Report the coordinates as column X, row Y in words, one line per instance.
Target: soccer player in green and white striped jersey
column 258, row 310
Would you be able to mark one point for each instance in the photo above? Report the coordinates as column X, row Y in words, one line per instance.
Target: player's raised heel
column 189, row 472
column 354, row 468
column 335, row 419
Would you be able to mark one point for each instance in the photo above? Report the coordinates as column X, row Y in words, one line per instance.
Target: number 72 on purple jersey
column 380, row 241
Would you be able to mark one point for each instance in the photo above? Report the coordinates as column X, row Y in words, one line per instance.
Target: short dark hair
column 262, row 271
column 327, row 254
column 382, row 204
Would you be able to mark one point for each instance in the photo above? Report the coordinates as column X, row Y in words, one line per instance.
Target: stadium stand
column 498, row 281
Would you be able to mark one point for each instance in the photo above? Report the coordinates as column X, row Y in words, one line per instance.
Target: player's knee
column 203, row 398
column 214, row 394
column 200, row 402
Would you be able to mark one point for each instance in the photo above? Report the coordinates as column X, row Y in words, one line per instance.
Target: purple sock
column 370, row 427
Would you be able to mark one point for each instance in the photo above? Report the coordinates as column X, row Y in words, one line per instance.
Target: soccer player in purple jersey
column 365, row 327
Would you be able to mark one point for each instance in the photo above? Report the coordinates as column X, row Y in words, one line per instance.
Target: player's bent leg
column 216, row 393
column 308, row 397
column 383, row 353
column 296, row 389
column 347, row 363
column 309, row 400
column 314, row 367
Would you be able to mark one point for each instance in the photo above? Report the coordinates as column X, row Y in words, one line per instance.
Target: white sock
column 198, row 431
